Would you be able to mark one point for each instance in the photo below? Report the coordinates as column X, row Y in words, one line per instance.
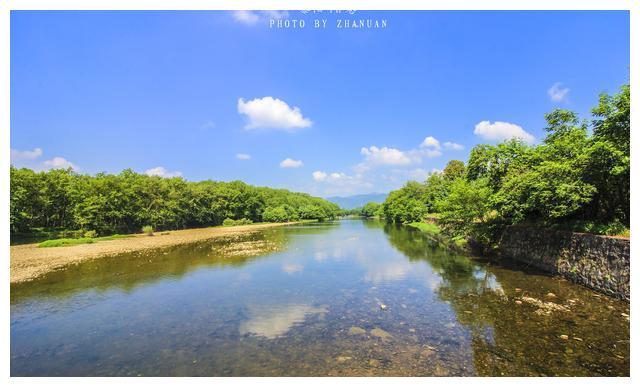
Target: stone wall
column 598, row 262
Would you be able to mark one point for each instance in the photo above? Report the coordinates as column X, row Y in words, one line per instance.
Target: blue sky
column 222, row 96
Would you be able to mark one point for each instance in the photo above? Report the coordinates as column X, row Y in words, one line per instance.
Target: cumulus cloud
column 30, row 159
column 557, row 93
column 330, row 177
column 59, row 163
column 430, row 142
column 25, row 155
column 499, row 131
column 272, row 113
column 340, row 182
column 162, row 172
column 319, row 176
column 291, row 163
column 243, row 156
column 452, row 146
column 385, row 156
column 254, row 17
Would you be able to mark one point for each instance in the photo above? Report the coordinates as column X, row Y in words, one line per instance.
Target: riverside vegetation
column 62, row 203
column 577, row 179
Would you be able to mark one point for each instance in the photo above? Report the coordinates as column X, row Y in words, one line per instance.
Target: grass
column 430, row 228
column 79, row 241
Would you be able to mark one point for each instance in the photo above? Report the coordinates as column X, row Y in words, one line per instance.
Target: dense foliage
column 108, row 203
column 578, row 176
column 371, row 210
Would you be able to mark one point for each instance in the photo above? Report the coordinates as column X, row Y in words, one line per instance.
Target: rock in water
column 356, row 331
column 380, row 333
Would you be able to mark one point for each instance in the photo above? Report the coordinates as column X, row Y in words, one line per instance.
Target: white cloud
column 59, row 163
column 341, row 183
column 253, row 17
column 499, row 131
column 319, row 176
column 29, row 159
column 272, row 113
column 384, row 156
column 162, row 172
column 452, row 146
column 25, row 155
column 243, row 156
column 291, row 163
column 430, row 142
column 557, row 93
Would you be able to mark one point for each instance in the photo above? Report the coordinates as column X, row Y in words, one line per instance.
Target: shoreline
column 28, row 261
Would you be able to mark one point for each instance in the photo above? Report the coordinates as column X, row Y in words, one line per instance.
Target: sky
column 226, row 95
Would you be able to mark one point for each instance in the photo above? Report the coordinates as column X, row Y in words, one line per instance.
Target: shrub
column 243, row 221
column 66, row 242
column 148, row 230
column 228, row 222
column 90, row 234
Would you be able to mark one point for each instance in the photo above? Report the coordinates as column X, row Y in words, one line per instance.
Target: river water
column 349, row 297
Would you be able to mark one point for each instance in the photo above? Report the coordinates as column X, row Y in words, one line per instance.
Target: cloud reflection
column 274, row 322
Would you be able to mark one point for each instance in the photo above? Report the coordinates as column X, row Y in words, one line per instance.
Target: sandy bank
column 30, row 261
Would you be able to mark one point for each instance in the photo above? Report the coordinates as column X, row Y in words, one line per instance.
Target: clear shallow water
column 311, row 305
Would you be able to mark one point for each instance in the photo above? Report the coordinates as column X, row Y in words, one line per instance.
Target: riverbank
column 29, row 261
column 599, row 262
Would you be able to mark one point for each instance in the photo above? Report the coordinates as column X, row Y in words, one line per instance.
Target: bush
column 90, row 234
column 66, row 242
column 148, row 230
column 230, row 222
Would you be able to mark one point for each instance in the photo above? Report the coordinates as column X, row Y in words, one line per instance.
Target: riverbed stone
column 380, row 333
column 357, row 331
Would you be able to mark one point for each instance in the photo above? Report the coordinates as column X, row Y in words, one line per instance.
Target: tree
column 464, row 211
column 370, row 209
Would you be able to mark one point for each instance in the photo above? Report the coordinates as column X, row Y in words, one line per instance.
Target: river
column 343, row 298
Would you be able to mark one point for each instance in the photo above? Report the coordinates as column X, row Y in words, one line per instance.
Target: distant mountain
column 355, row 201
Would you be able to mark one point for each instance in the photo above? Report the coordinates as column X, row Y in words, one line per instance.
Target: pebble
column 551, row 295
column 374, row 363
column 564, row 337
column 518, row 302
column 343, row 358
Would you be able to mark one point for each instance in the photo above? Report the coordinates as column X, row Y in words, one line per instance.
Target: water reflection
column 509, row 337
column 342, row 298
column 276, row 320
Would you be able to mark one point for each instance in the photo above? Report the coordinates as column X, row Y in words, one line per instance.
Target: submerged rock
column 380, row 333
column 356, row 331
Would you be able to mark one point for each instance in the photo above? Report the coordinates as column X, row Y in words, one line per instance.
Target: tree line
column 578, row 177
column 125, row 202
